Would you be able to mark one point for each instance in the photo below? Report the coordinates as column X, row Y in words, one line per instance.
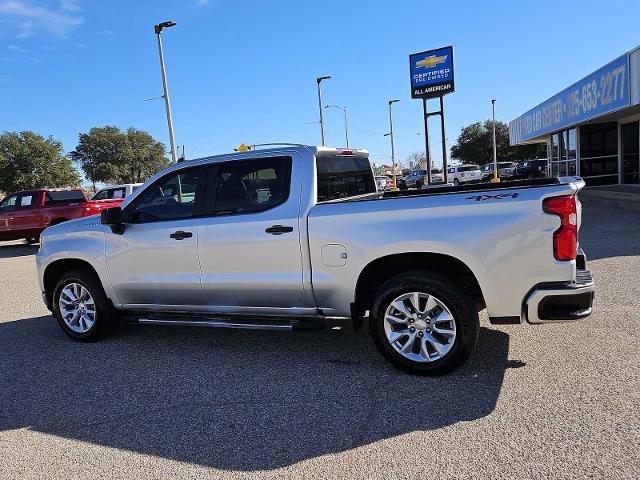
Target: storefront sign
column 604, row 91
column 431, row 73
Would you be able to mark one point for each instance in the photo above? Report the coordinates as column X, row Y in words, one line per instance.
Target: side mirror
column 114, row 218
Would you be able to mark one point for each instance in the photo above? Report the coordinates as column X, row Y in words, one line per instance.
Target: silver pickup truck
column 290, row 237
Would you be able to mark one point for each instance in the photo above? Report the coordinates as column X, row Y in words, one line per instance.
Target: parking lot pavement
column 556, row 401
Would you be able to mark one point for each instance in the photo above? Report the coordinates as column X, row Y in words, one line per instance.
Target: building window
column 631, row 153
column 599, row 153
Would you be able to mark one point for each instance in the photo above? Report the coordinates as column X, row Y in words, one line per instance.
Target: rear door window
column 255, row 185
column 343, row 177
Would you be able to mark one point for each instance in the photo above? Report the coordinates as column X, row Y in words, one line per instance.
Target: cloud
column 70, row 5
column 57, row 21
column 105, row 32
column 17, row 49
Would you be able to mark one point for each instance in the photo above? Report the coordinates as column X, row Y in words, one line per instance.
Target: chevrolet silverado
column 292, row 236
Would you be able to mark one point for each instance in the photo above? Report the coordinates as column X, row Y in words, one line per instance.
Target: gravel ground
column 556, row 401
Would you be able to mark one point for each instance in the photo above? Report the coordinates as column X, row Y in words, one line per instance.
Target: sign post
column 432, row 77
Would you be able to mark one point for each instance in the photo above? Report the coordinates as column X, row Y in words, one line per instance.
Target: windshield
column 342, row 177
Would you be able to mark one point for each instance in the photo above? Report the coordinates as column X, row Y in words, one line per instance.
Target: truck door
column 154, row 261
column 7, row 208
column 249, row 243
column 26, row 216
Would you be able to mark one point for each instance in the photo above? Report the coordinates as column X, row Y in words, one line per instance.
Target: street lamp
column 346, row 129
column 495, row 178
column 158, row 29
column 318, row 80
column 393, row 152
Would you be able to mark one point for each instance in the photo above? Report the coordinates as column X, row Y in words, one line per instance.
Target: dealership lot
column 558, row 401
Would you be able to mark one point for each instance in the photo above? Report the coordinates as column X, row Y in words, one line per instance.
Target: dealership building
column 591, row 128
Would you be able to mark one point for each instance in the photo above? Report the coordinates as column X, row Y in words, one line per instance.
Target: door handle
column 181, row 235
column 278, row 229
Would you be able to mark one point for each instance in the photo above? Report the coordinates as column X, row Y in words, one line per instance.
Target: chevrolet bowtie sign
column 431, row 73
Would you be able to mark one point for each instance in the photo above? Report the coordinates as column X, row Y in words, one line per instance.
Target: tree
column 475, row 145
column 416, row 160
column 28, row 160
column 106, row 154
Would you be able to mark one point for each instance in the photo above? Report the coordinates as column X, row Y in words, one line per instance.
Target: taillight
column 565, row 239
column 462, row 174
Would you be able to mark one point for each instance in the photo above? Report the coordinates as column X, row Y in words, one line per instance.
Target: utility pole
column 393, row 151
column 346, row 128
column 495, row 178
column 158, row 29
column 318, row 80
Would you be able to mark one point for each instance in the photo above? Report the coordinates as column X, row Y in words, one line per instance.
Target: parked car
column 436, row 175
column 532, row 169
column 418, row 178
column 26, row 214
column 290, row 237
column 116, row 191
column 506, row 170
column 464, row 174
column 384, row 183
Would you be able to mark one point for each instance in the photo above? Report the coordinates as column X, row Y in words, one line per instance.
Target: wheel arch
column 381, row 269
column 56, row 269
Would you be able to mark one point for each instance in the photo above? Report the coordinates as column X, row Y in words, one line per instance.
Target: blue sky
column 244, row 71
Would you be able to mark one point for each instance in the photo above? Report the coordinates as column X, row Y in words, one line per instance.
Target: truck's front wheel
column 424, row 323
column 82, row 308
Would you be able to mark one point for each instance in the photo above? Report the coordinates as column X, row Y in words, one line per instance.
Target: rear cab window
column 63, row 197
column 254, row 185
column 342, row 176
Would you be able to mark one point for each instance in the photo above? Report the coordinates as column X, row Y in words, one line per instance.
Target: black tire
column 456, row 182
column 460, row 305
column 106, row 318
column 418, row 185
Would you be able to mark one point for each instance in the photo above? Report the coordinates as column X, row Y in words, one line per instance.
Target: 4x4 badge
column 500, row 196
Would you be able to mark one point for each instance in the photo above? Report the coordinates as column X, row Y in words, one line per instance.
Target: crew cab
column 293, row 237
column 26, row 214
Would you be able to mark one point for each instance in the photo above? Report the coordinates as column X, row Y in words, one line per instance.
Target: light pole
column 318, row 80
column 346, row 128
column 158, row 29
column 393, row 152
column 495, row 178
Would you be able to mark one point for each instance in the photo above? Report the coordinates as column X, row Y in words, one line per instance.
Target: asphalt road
column 556, row 401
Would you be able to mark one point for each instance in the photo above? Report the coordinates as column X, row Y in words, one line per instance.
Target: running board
column 302, row 325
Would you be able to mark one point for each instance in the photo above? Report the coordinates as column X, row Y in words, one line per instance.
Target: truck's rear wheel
column 82, row 308
column 424, row 323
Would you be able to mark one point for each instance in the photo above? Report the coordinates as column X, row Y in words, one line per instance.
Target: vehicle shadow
column 12, row 250
column 231, row 399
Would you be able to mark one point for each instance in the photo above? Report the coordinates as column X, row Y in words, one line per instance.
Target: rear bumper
column 560, row 303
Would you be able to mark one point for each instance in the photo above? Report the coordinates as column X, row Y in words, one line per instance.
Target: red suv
column 26, row 214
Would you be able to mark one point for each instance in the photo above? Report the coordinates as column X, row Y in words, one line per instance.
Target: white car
column 116, row 191
column 464, row 174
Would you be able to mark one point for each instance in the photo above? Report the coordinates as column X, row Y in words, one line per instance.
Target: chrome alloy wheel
column 77, row 308
column 420, row 327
